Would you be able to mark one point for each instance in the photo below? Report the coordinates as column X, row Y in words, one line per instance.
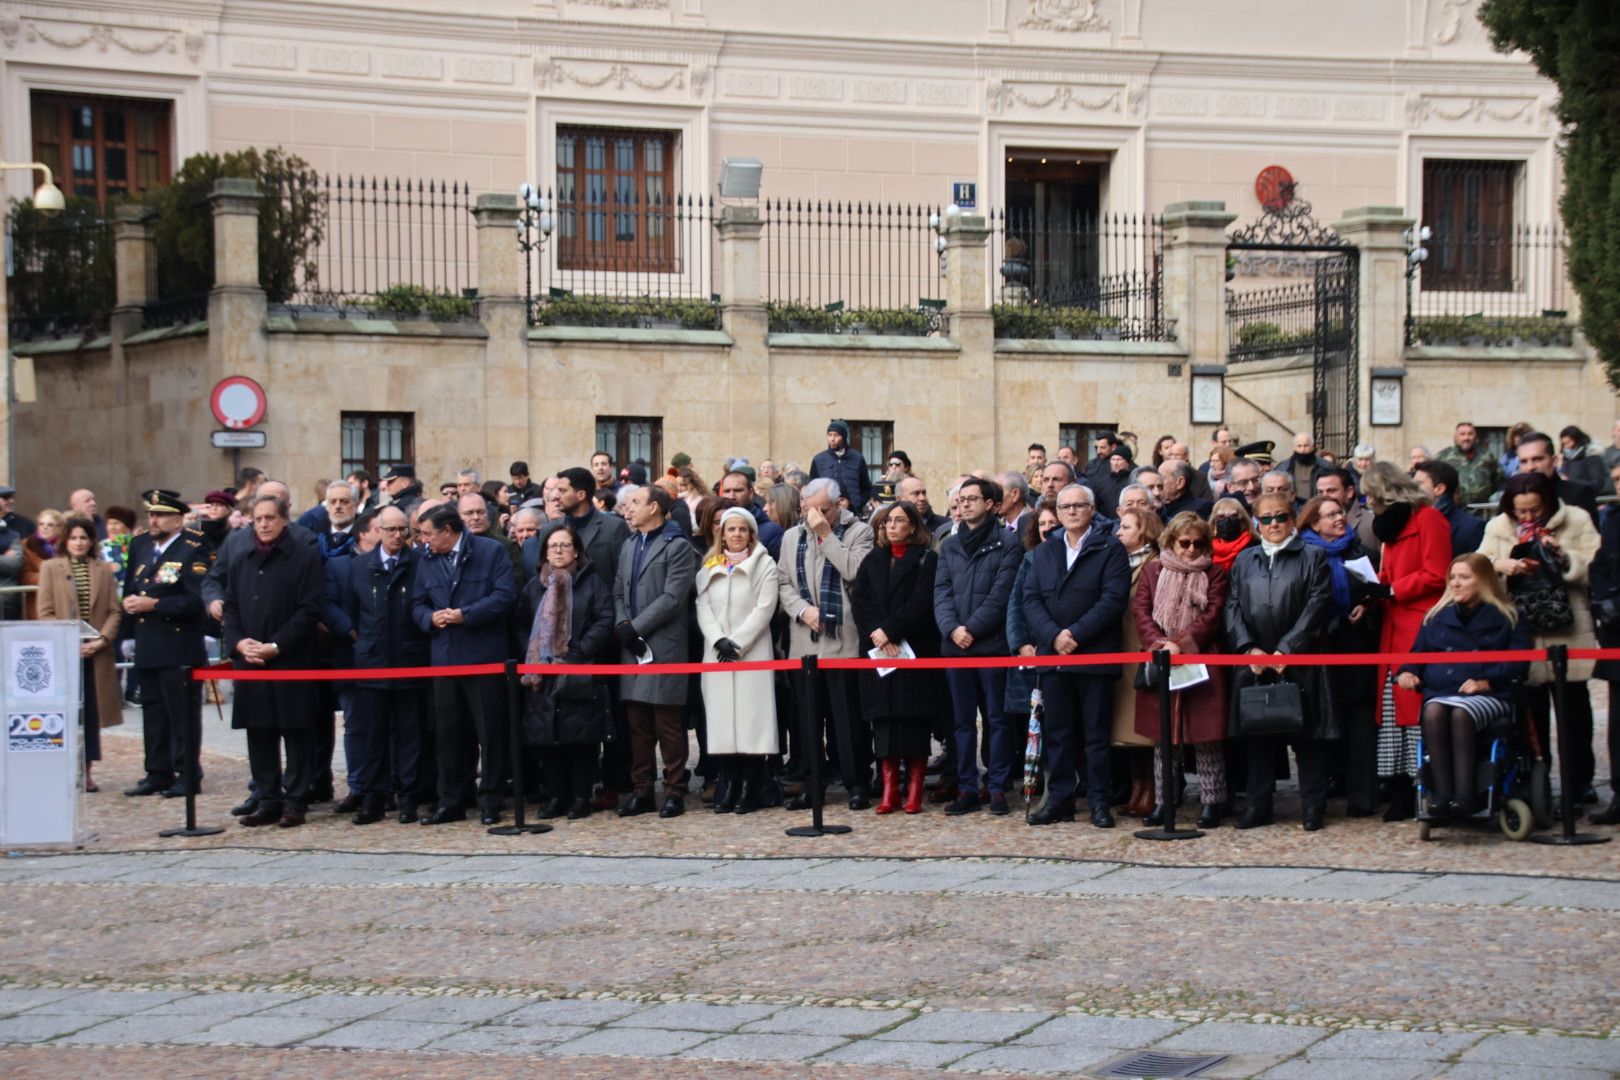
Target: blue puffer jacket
column 849, row 470
column 972, row 591
column 1487, row 631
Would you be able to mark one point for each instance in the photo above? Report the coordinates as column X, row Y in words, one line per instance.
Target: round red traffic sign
column 238, row 402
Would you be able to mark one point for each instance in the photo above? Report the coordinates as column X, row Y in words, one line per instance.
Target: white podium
column 39, row 762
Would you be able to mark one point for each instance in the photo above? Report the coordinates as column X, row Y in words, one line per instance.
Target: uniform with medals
column 168, row 637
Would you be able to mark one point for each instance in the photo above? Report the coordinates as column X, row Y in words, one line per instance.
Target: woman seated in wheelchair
column 1462, row 699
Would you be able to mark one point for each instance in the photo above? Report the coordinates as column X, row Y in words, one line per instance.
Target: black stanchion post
column 810, row 717
column 1167, row 827
column 1559, row 657
column 190, row 758
column 514, row 718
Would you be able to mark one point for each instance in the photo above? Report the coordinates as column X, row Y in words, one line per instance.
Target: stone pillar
column 135, row 271
column 236, row 304
column 749, row 397
column 970, row 325
column 503, row 311
column 1195, row 277
column 1377, row 232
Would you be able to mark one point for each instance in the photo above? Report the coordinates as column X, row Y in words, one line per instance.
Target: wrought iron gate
column 1332, row 266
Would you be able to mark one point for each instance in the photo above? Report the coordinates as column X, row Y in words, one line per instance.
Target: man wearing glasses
column 1074, row 601
column 388, row 723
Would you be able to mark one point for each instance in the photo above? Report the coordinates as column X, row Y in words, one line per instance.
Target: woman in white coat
column 736, row 597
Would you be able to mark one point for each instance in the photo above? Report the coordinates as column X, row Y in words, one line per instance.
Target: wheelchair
column 1512, row 784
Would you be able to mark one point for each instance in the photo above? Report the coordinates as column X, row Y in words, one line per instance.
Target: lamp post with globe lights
column 535, row 223
column 47, row 199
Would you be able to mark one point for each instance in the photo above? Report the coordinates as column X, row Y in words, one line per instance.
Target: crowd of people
column 598, row 564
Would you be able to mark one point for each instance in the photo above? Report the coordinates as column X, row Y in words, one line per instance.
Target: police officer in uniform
column 163, row 608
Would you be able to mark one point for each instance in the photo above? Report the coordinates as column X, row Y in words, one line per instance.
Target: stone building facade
column 1097, row 107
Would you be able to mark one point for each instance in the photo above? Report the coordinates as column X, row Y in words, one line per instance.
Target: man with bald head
column 82, row 503
column 912, row 490
column 474, row 511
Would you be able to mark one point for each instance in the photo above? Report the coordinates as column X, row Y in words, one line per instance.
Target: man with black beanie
column 844, row 465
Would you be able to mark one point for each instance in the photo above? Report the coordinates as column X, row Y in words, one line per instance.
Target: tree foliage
column 1576, row 44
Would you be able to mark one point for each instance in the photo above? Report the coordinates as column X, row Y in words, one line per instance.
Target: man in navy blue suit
column 1074, row 601
column 463, row 595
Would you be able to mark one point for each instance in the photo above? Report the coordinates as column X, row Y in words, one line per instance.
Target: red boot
column 890, row 802
column 916, row 777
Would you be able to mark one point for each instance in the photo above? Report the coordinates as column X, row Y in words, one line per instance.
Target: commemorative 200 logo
column 33, row 669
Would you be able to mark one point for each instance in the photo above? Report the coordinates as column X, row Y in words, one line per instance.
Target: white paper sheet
column 1184, row 676
column 877, row 654
column 1363, row 569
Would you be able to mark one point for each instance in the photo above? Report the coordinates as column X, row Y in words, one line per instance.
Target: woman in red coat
column 1177, row 608
column 1416, row 558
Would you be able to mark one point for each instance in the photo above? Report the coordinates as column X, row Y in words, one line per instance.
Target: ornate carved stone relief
column 1063, row 16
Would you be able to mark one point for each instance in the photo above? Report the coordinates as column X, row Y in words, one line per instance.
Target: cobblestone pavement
column 911, row 966
column 716, row 947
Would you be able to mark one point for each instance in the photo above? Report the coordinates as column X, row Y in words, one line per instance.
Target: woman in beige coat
column 1533, row 530
column 1139, row 532
column 78, row 585
column 736, row 597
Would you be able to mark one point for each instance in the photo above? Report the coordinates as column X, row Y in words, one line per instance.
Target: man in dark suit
column 601, row 534
column 272, row 607
column 1178, row 491
column 1439, row 482
column 336, row 643
column 385, row 721
column 163, row 608
column 1074, row 600
column 463, row 594
column 1537, row 454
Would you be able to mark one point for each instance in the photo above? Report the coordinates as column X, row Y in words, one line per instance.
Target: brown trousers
column 656, row 727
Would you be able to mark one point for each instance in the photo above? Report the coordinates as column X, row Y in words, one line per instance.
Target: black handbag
column 1270, row 708
column 1542, row 597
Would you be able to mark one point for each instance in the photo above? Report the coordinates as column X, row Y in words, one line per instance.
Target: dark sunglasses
column 1273, row 519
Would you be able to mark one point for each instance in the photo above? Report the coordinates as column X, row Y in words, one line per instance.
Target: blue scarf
column 1335, row 549
column 830, row 604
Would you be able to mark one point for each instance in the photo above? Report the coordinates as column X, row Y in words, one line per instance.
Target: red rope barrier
column 932, row 663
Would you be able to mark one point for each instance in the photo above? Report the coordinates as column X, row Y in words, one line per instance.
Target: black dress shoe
column 178, row 791
column 370, row 813
column 1209, row 817
column 579, row 808
column 637, row 804
column 490, row 817
column 553, row 809
column 1608, row 816
column 408, row 814
column 859, row 799
column 674, row 806
column 1102, row 818
column 965, row 803
column 145, row 787
column 264, row 815
column 348, row 804
column 444, row 817
column 291, row 818
column 1051, row 813
column 801, row 801
column 998, row 804
column 1314, row 819
column 245, row 807
column 1253, row 818
column 1156, row 818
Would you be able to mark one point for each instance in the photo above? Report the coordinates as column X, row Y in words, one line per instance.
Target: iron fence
column 372, row 235
column 1262, row 323
column 1111, row 264
column 175, row 311
column 61, row 276
column 1489, row 287
column 608, row 262
column 850, row 257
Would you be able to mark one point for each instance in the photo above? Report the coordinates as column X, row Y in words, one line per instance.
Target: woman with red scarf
column 1413, row 564
column 1177, row 608
column 1232, row 531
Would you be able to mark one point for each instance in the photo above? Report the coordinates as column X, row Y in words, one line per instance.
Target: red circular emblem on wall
column 1274, row 187
column 238, row 402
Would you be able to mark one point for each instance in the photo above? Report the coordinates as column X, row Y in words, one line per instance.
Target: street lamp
column 47, row 200
column 1416, row 254
column 535, row 223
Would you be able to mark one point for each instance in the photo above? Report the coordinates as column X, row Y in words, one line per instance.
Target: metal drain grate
column 1156, row 1063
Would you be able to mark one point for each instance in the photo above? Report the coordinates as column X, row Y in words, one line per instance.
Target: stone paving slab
column 955, row 1025
column 930, row 877
column 1139, row 880
column 772, row 1047
column 1247, row 881
column 374, row 1034
column 451, row 1010
column 1595, row 895
column 135, row 1029
column 35, row 1027
column 223, row 1004
column 568, row 1011
column 1478, row 1071
column 1019, row 1059
column 107, row 1002
column 496, row 1039
column 16, row 999
column 1312, row 1068
column 261, row 1031
column 1221, row 1038
column 1472, row 889
column 340, row 1006
column 695, row 1016
column 1355, row 885
column 1545, row 1051
column 1036, row 877
column 1362, row 1044
column 827, row 1020
column 632, row 1042
column 1124, row 1033
column 914, row 1055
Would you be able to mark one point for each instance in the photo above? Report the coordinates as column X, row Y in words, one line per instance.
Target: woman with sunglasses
column 1280, row 603
column 1324, row 524
column 1177, row 609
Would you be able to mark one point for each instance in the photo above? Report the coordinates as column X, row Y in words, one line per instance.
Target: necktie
column 388, row 565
